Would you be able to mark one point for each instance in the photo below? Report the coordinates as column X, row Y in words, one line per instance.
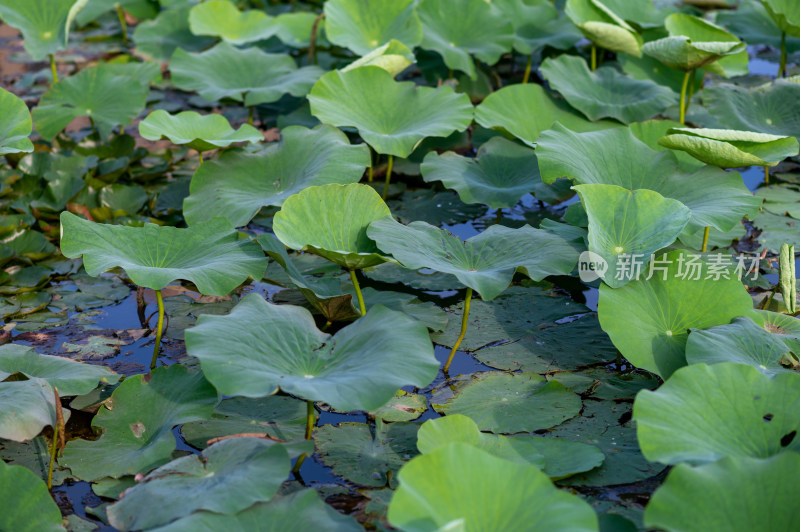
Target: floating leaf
column 160, row 38
column 44, row 24
column 238, row 184
column 199, row 132
column 363, row 25
column 603, row 27
column 404, row 406
column 208, row 254
column 220, row 18
column 728, row 148
column 368, row 98
column 15, row 124
column 762, row 109
column 28, row 506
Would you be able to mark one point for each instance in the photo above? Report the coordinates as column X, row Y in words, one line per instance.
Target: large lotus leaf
column 762, row 109
column 696, row 43
column 15, row 124
column 604, row 27
column 209, row 254
column 394, row 57
column 137, row 422
column 734, row 494
column 26, row 407
column 526, row 110
column 249, row 76
column 332, row 221
column 68, row 376
column 716, row 198
column 437, row 491
column 227, row 477
column 507, row 403
column 753, row 24
column 648, row 319
column 220, row 18
column 457, row 28
column 238, row 183
column 364, row 455
column 44, row 24
column 294, row 29
column 605, row 93
column 501, row 173
column 302, row 510
column 160, row 38
column 280, row 347
column 390, row 116
column 98, row 93
column 626, row 227
column 703, row 413
column 729, row 148
column 785, row 14
column 199, row 132
column 486, row 262
column 537, row 23
column 139, row 9
column 743, row 342
column 27, row 504
column 363, row 25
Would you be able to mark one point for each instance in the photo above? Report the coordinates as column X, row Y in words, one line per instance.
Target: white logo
column 591, row 266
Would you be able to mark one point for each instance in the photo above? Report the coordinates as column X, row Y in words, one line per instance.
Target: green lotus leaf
column 787, row 328
column 507, row 403
column 138, row 421
column 44, row 24
column 733, row 494
column 226, row 478
column 649, row 222
column 437, row 491
column 743, row 342
column 368, row 98
column 199, row 132
column 753, row 24
column 537, row 23
column 331, row 221
column 27, row 503
column 281, row 347
column 728, row 148
column 238, row 184
column 696, row 43
column 158, row 39
column 68, row 376
column 500, row 174
column 394, row 57
column 249, row 76
column 294, row 29
column 404, row 406
column 139, row 9
column 760, row 109
column 220, row 18
column 363, row 25
column 648, row 319
column 776, row 231
column 15, row 124
column 716, row 198
column 457, row 28
column 26, row 407
column 526, row 110
column 785, row 14
column 98, row 93
column 753, row 414
column 302, row 510
column 209, row 254
column 651, row 131
column 605, row 93
column 603, row 27
column 643, row 14
column 486, row 262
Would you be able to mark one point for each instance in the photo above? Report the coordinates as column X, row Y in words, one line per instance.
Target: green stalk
column 782, row 68
column 250, row 117
column 684, row 105
column 705, row 240
column 464, row 321
column 312, row 46
column 310, row 420
column 389, row 166
column 766, row 175
column 527, row 75
column 53, row 68
column 157, row 347
column 52, row 455
column 122, row 23
column 360, row 297
column 200, row 154
column 371, row 168
column 594, row 57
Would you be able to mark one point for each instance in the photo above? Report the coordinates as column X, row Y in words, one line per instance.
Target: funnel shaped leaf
column 220, row 18
column 363, row 25
column 761, row 109
column 390, row 116
column 199, row 132
column 44, row 24
column 332, row 221
column 603, row 27
column 238, row 184
column 728, row 148
column 486, row 262
column 279, row 347
column 605, row 93
column 436, row 490
column 648, row 320
column 15, row 124
column 249, row 76
column 209, row 254
column 27, row 503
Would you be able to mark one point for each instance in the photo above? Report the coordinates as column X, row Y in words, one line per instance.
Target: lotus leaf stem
column 250, row 115
column 123, row 24
column 766, row 175
column 310, row 420
column 389, row 166
column 684, row 104
column 59, row 439
column 691, row 91
column 156, row 348
column 782, row 68
column 53, row 68
column 312, row 45
column 527, row 75
column 200, row 154
column 705, row 239
column 371, row 169
column 52, row 455
column 464, row 321
column 594, row 58
column 360, row 296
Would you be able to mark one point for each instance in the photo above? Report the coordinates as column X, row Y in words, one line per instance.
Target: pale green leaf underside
column 199, row 132
column 15, row 124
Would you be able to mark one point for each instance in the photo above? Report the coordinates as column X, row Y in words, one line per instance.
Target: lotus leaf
column 139, row 9
column 363, row 25
column 27, row 504
column 160, row 38
column 761, row 109
column 26, row 407
column 220, row 18
column 15, row 124
column 537, row 23
column 199, row 132
column 728, row 148
column 239, row 183
column 44, row 24
column 785, row 15
column 390, row 116
column 603, row 27
column 394, row 57
column 753, row 24
column 294, row 29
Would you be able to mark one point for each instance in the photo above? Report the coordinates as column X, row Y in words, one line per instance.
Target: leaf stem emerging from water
column 705, row 240
column 250, row 115
column 594, row 58
column 389, row 166
column 312, row 44
column 782, row 68
column 360, row 297
column 157, row 347
column 53, row 68
column 527, row 75
column 464, row 321
column 684, row 104
column 123, row 24
column 311, row 418
column 766, row 175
